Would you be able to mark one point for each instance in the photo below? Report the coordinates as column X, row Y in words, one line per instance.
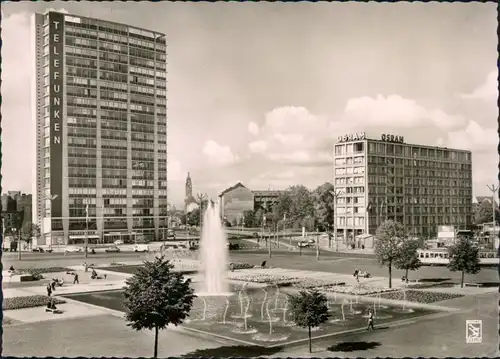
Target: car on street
column 113, row 249
column 303, row 244
column 141, row 248
column 118, row 242
column 311, row 241
column 41, row 250
column 73, row 250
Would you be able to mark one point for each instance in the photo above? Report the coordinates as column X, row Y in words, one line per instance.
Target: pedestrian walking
column 75, row 280
column 370, row 320
column 86, row 267
column 49, row 289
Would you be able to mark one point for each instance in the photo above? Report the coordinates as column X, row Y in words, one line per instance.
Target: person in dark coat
column 49, row 289
column 75, row 279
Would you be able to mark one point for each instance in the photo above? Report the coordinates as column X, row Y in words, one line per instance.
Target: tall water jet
column 213, row 253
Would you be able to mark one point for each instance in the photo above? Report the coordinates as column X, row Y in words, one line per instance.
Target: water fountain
column 274, row 324
column 213, row 254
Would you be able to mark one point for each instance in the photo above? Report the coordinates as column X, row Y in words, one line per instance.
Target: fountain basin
column 282, row 331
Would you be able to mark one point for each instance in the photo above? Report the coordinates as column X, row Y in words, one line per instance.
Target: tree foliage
column 464, row 257
column 248, row 219
column 483, row 213
column 407, row 258
column 155, row 297
column 309, row 309
column 389, row 238
column 29, row 230
column 324, row 206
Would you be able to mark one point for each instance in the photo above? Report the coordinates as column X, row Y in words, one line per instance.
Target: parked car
column 41, row 250
column 303, row 244
column 311, row 241
column 141, row 248
column 113, row 249
column 73, row 250
column 118, row 242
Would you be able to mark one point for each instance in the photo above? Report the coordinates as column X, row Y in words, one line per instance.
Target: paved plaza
column 79, row 330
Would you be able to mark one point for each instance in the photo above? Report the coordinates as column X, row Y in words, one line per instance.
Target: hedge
column 235, row 266
column 421, row 296
column 32, row 301
column 37, row 271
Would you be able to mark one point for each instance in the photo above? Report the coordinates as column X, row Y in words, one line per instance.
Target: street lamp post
column 86, row 230
column 317, row 244
column 335, row 195
column 493, row 190
column 268, row 241
column 18, row 240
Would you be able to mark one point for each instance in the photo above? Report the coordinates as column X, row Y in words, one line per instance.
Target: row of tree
column 295, row 208
column 394, row 248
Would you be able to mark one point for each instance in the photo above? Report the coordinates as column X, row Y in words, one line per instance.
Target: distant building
column 419, row 186
column 190, row 203
column 237, row 199
column 16, row 209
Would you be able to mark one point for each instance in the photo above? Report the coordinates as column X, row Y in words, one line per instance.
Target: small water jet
column 204, row 308
column 352, row 310
column 276, row 298
column 338, row 320
column 270, row 319
column 403, row 309
column 263, row 305
column 244, row 329
column 225, row 310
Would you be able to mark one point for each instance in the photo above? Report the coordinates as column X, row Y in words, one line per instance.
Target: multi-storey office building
column 101, row 129
column 419, row 186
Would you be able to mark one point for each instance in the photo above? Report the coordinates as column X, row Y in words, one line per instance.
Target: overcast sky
column 258, row 92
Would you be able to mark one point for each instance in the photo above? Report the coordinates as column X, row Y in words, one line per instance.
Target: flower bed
column 420, row 296
column 358, row 289
column 28, row 302
column 316, row 283
column 266, row 279
column 240, row 266
column 37, row 273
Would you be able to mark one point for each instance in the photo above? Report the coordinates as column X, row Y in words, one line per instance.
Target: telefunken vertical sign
column 56, row 48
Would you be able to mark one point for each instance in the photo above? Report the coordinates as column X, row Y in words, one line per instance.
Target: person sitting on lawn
column 11, row 269
column 94, row 275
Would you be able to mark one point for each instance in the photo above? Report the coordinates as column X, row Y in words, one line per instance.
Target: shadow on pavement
column 234, row 351
column 353, row 346
column 433, row 280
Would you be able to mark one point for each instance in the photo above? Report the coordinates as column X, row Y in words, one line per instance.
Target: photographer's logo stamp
column 474, row 331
